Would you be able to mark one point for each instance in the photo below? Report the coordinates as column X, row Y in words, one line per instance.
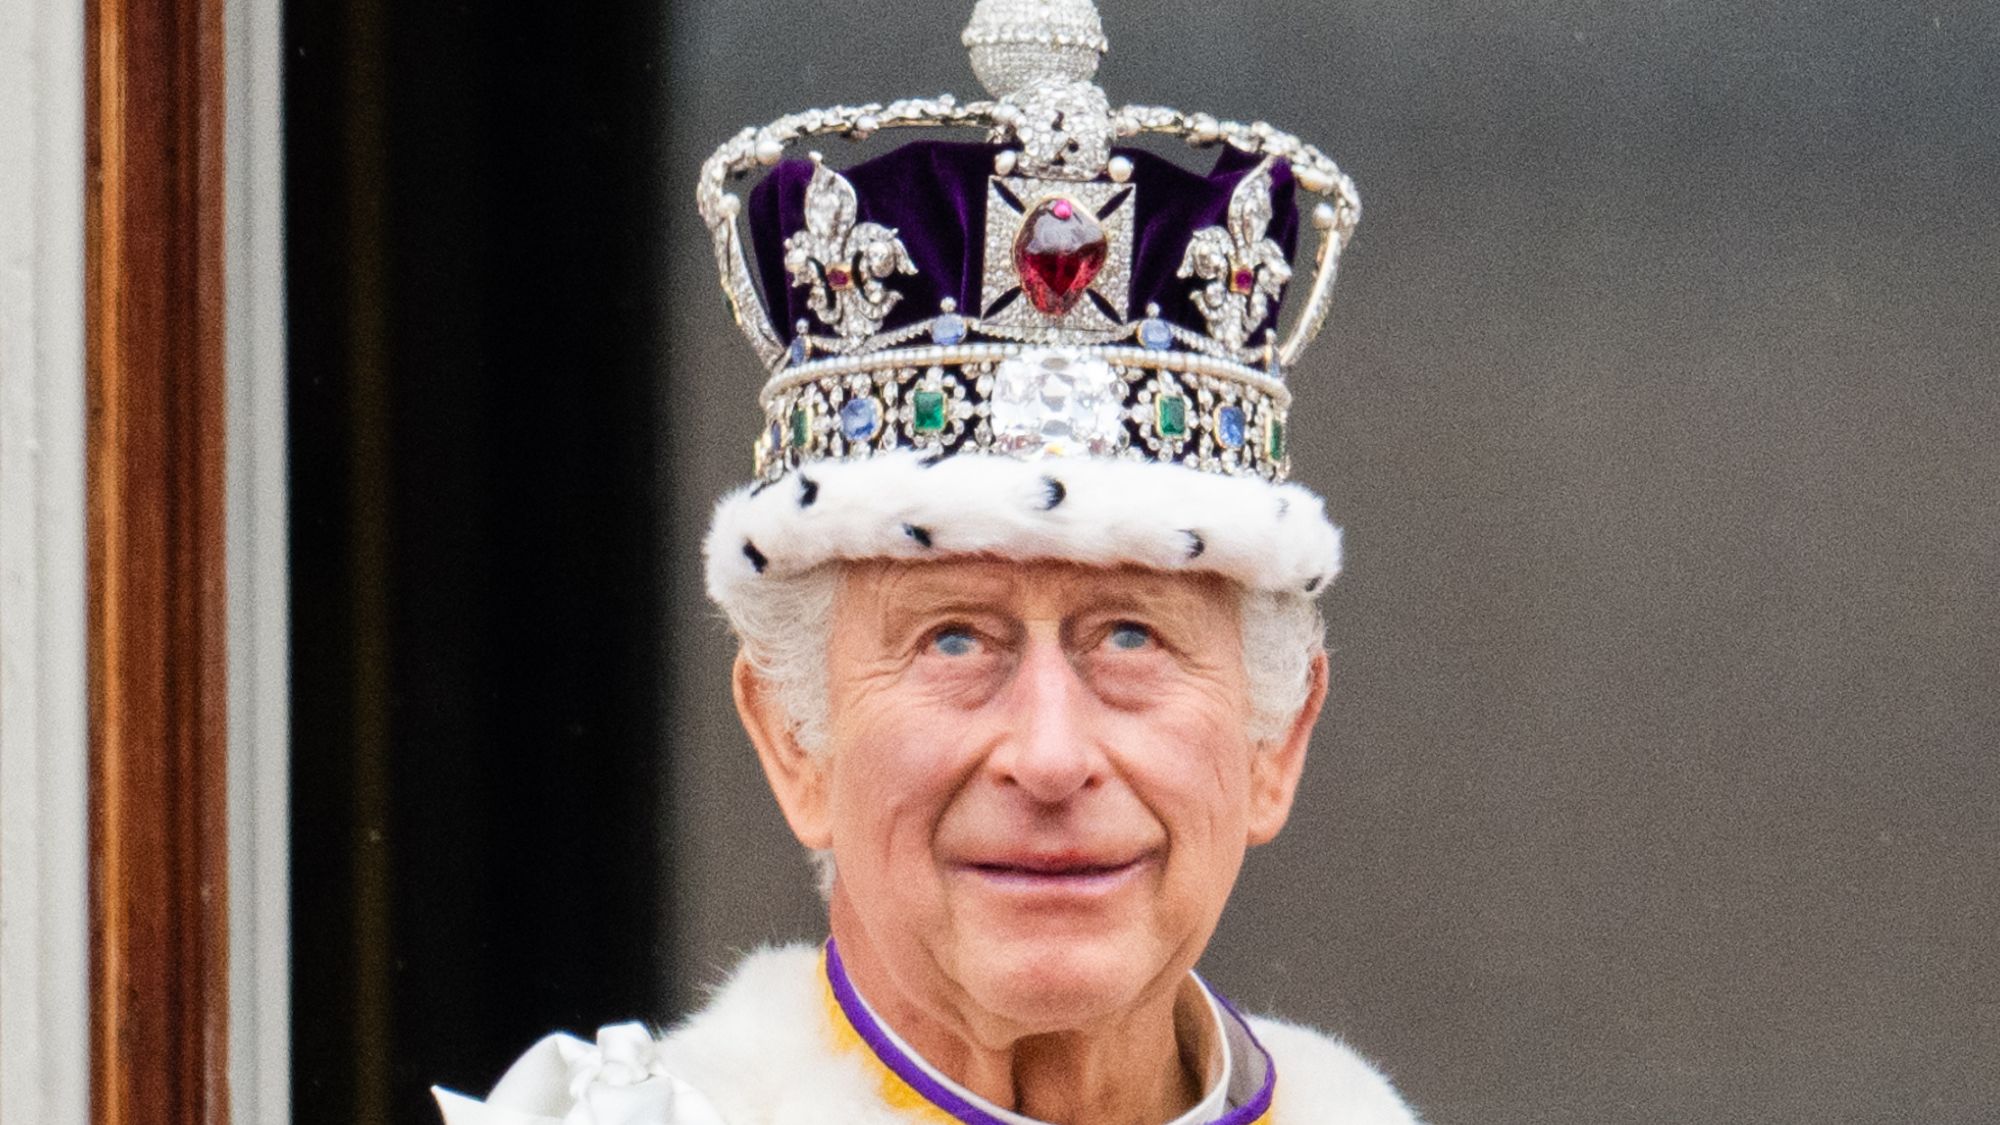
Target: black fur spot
column 930, row 461
column 920, row 534
column 1057, row 493
column 757, row 560
column 1196, row 544
column 1313, row 586
column 808, row 491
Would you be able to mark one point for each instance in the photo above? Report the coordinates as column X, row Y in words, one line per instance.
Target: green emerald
column 800, row 425
column 927, row 411
column 1171, row 416
column 1277, row 439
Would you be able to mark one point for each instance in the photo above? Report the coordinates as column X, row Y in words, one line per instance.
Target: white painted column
column 259, row 651
column 44, row 751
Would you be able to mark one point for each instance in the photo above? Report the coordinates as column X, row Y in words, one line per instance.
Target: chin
column 1060, row 979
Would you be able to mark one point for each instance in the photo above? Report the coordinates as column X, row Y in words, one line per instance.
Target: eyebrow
column 898, row 609
column 1147, row 600
column 986, row 595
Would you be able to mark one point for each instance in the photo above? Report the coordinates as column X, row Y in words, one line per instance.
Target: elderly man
column 1029, row 651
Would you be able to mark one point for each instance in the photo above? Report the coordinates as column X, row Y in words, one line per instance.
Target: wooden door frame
column 157, row 638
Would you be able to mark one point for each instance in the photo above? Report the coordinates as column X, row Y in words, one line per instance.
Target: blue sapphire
column 798, row 351
column 1231, row 426
column 1155, row 335
column 948, row 329
column 859, row 419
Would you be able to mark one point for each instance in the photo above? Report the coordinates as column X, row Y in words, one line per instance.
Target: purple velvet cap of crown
column 933, row 193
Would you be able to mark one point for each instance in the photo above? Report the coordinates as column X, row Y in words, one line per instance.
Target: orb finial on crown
column 1020, row 43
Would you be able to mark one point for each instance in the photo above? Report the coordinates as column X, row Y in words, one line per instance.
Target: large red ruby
column 1058, row 253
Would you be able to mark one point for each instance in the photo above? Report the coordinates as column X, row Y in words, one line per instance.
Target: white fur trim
column 761, row 1053
column 1323, row 1081
column 1097, row 512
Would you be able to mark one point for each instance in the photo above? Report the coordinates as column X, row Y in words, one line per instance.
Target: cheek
column 1191, row 767
column 894, row 773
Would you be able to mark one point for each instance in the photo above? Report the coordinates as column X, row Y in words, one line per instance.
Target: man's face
column 1039, row 786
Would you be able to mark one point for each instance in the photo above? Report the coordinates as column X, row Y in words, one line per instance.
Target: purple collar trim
column 1260, row 1102
column 906, row 1068
column 899, row 1063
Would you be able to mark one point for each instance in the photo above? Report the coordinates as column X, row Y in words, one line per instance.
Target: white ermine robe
column 788, row 1042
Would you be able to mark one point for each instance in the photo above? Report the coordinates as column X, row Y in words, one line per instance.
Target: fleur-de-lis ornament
column 842, row 262
column 1245, row 270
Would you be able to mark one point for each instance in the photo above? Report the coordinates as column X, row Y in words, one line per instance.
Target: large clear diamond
column 1057, row 404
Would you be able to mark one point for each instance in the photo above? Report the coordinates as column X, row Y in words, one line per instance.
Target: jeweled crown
column 1044, row 294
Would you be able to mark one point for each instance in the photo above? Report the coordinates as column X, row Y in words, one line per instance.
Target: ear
column 797, row 778
column 1274, row 775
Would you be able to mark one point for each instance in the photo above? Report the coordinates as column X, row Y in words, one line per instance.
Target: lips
column 1077, row 871
column 1053, row 865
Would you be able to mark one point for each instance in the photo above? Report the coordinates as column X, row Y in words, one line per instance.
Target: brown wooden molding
column 159, row 954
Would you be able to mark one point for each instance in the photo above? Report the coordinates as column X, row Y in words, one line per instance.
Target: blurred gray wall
column 1660, row 405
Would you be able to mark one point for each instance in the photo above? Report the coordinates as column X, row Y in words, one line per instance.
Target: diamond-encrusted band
column 1131, row 403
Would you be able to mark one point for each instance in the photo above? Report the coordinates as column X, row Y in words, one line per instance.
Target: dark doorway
column 475, row 249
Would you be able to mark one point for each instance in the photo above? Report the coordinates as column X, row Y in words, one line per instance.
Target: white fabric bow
column 621, row 1080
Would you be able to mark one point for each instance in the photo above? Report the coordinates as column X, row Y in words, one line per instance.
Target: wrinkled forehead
column 1033, row 589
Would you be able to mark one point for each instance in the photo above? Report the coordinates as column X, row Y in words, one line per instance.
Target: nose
column 1048, row 751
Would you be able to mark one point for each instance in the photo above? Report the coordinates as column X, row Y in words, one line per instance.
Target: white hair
column 784, row 632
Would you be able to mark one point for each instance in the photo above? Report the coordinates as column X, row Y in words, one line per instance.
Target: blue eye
column 1129, row 637
column 955, row 642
